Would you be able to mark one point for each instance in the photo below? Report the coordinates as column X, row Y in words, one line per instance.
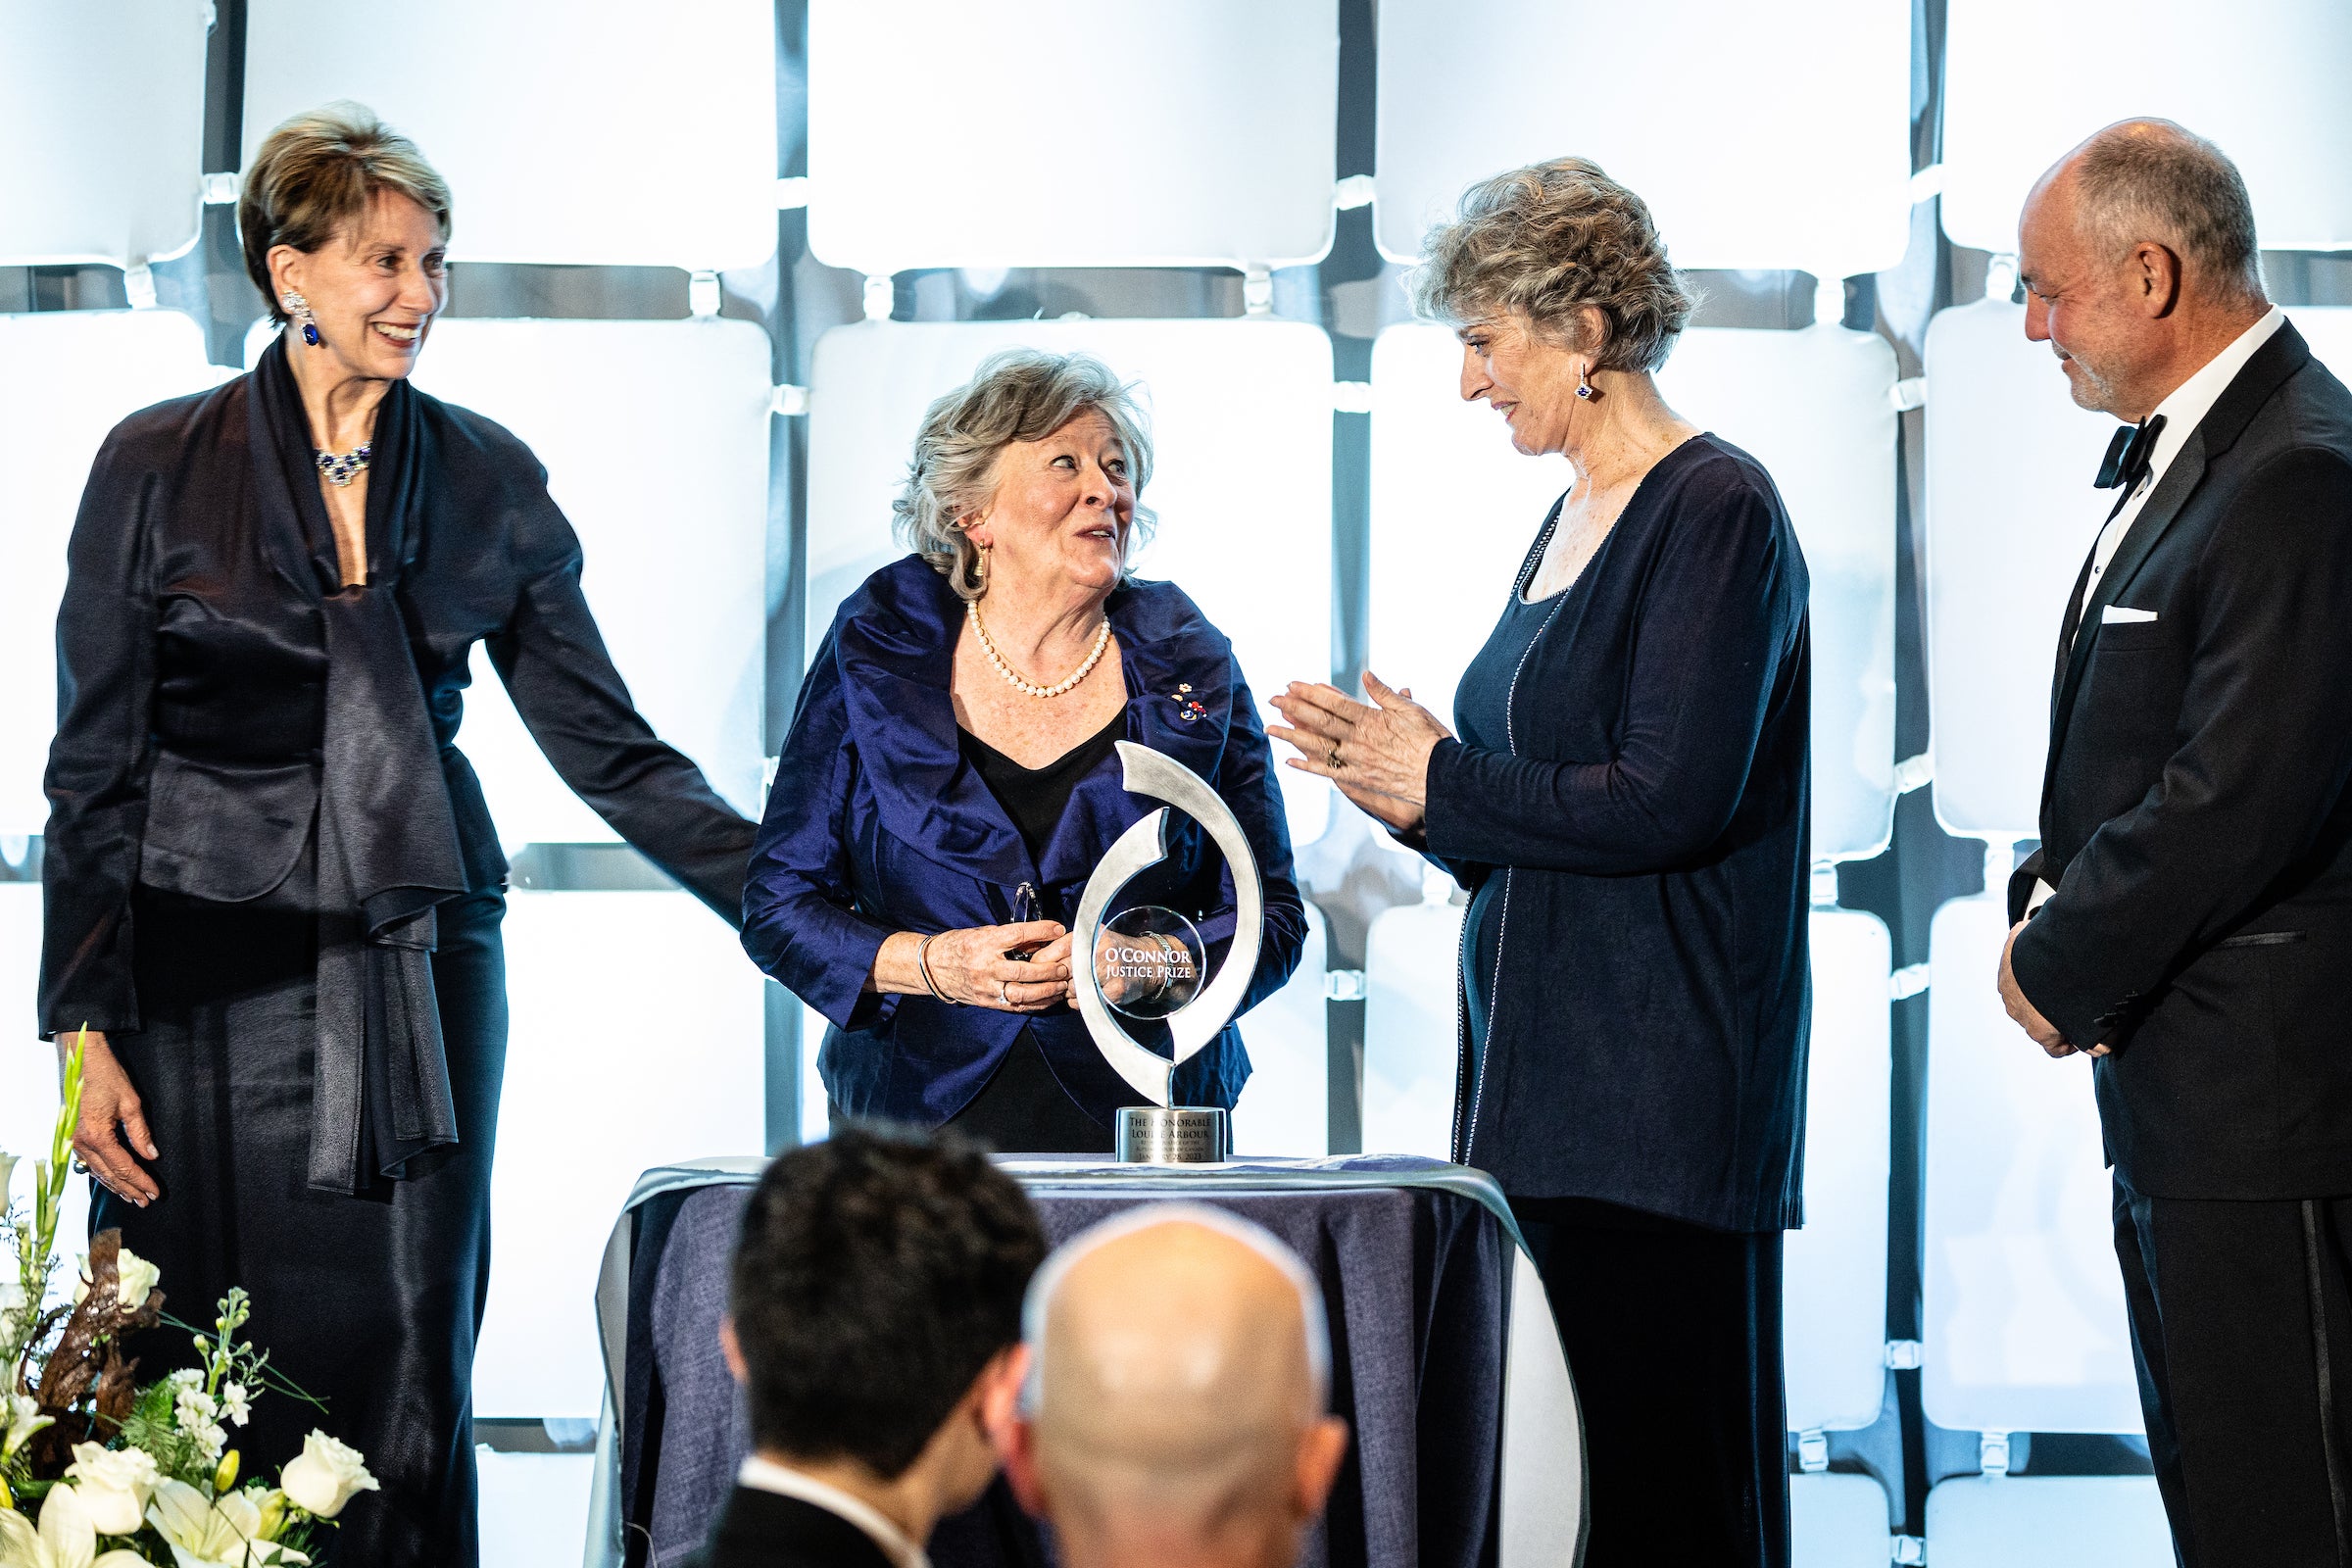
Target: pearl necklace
column 1030, row 688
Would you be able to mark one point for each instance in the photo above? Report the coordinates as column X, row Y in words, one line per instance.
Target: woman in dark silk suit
column 951, row 783
column 274, row 891
column 1627, row 803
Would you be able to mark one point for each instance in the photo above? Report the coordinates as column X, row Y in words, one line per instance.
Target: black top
column 1643, row 813
column 1034, row 798
column 196, row 682
column 2196, row 812
column 1482, row 718
column 769, row 1530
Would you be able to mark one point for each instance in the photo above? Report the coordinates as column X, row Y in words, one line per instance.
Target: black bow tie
column 2129, row 455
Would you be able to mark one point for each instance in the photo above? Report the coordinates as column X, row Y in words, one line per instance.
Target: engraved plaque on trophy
column 1150, row 963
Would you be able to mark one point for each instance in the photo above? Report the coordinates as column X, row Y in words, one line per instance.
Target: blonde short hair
column 1016, row 395
column 318, row 172
column 1544, row 241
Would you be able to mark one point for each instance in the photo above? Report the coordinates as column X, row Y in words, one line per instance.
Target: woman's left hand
column 1377, row 754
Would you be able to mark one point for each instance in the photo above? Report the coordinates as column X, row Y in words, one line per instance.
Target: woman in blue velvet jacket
column 951, row 783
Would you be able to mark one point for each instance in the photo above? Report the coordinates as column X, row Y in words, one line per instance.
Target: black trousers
column 372, row 1303
column 2241, row 1330
column 1673, row 1335
column 1023, row 1109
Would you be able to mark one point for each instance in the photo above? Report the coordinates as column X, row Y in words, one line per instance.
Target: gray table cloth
column 1416, row 1260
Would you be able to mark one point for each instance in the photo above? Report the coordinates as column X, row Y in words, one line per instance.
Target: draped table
column 1466, row 1450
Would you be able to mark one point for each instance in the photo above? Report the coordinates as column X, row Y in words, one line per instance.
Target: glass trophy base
column 1156, row 1134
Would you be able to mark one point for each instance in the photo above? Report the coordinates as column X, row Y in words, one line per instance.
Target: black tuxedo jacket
column 2195, row 815
column 765, row 1530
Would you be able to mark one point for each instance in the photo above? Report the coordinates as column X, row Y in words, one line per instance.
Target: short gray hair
column 1016, row 395
column 1547, row 240
column 2151, row 179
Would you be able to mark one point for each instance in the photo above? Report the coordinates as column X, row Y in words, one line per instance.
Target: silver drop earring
column 1583, row 384
column 300, row 308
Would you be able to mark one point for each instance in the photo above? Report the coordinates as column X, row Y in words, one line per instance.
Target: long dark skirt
column 1673, row 1335
column 373, row 1302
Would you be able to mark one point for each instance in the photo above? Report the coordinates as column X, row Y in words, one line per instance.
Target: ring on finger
column 1335, row 754
column 1002, row 994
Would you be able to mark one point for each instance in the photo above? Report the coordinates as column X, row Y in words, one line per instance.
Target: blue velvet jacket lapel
column 896, row 644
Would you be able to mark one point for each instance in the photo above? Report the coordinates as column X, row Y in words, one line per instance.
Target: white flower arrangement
column 120, row 1475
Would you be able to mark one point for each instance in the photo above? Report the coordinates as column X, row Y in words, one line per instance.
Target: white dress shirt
column 2182, row 413
column 765, row 1475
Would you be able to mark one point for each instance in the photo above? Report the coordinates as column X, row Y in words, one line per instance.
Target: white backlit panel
column 28, row 1073
column 1837, row 1521
column 2023, row 1308
column 534, row 1507
column 655, row 439
column 620, row 135
column 1411, row 1029
column 69, row 377
column 1286, row 1106
column 1785, row 140
column 1454, row 508
column 102, row 117
column 2049, row 1522
column 2269, row 88
column 1241, row 427
column 1070, row 132
column 2011, row 519
column 636, row 1041
column 1834, row 1280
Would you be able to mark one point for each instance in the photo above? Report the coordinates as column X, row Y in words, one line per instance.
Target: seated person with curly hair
column 874, row 1315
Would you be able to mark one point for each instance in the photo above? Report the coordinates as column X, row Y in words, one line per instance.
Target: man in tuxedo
column 1174, row 1411
column 874, row 1315
column 2187, row 920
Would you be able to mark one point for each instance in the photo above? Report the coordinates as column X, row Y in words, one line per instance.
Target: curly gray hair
column 1544, row 241
column 1016, row 395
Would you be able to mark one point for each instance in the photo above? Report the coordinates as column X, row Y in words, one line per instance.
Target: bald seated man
column 1173, row 1414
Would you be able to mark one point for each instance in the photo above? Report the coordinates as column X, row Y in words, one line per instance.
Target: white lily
column 113, row 1484
column 19, row 1418
column 213, row 1533
column 8, row 1168
column 66, row 1540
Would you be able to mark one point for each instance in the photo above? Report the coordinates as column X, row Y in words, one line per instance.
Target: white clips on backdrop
column 1241, row 425
column 620, row 136
column 1117, row 134
column 1784, row 141
column 655, row 437
column 608, row 1072
column 102, row 119
column 1454, row 508
column 2268, row 86
column 72, row 375
column 2022, row 1312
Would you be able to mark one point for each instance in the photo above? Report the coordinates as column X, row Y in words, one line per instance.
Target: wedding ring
column 1002, row 996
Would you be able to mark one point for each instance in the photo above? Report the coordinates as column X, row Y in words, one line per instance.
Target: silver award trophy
column 1162, row 1132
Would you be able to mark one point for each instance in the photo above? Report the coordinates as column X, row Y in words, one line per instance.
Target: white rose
column 325, row 1475
column 134, row 1277
column 114, row 1485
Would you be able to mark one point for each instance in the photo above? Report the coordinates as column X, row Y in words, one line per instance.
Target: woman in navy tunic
column 1626, row 803
column 949, row 782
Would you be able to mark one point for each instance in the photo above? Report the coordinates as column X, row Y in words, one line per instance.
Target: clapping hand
column 1377, row 754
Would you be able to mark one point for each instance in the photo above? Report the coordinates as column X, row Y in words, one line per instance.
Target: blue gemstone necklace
column 341, row 468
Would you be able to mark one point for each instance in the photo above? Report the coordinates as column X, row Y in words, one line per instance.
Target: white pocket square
column 2116, row 614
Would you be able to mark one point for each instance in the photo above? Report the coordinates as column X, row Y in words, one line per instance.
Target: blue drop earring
column 300, row 308
column 1583, row 384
